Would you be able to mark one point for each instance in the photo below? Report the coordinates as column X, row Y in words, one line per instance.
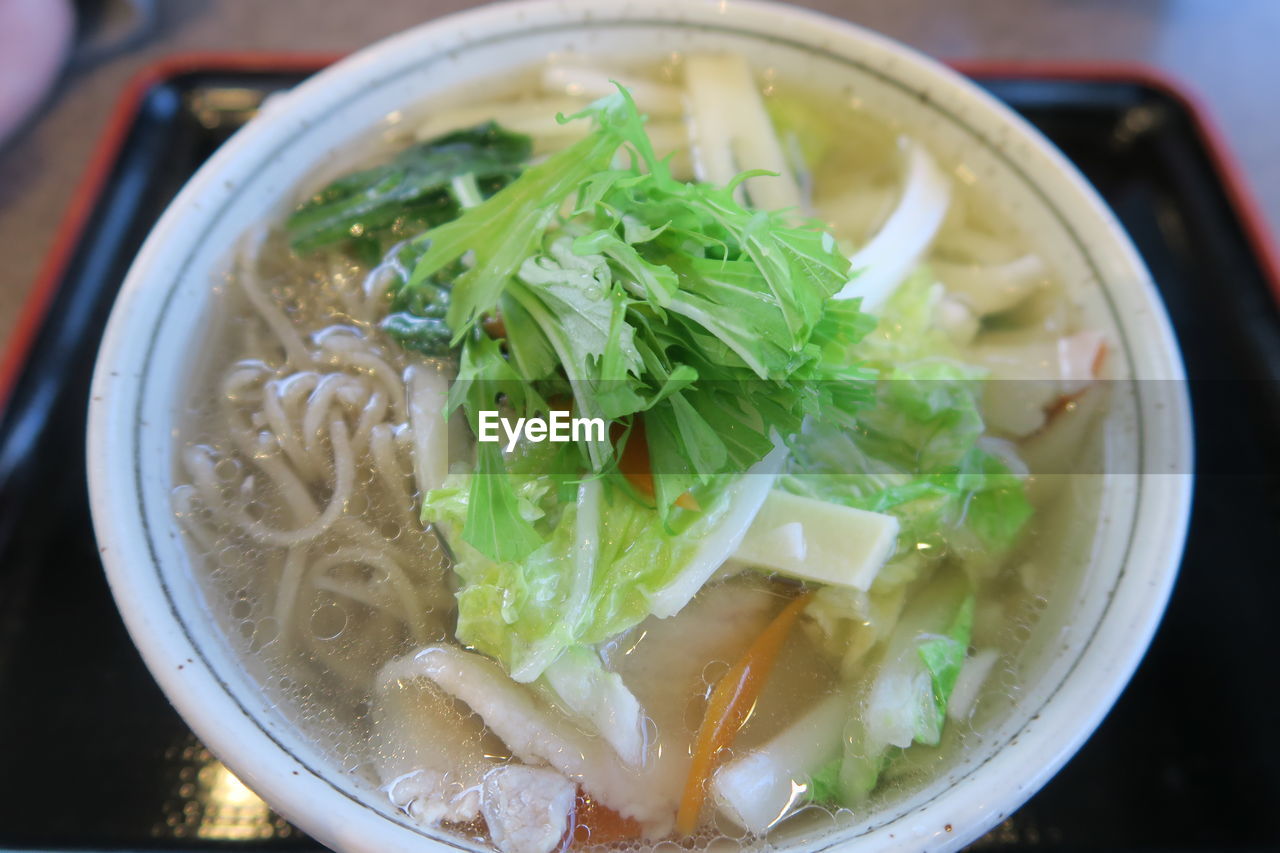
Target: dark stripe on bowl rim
column 597, row 24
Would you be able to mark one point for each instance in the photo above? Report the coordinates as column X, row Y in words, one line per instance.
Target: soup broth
column 312, row 437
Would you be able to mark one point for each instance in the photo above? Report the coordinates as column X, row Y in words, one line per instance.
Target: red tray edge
column 93, row 180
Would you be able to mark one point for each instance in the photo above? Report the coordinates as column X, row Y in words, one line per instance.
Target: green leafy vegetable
column 917, row 453
column 943, row 655
column 497, row 521
column 824, row 784
column 527, row 610
column 415, row 319
column 400, row 198
column 507, row 229
column 639, row 296
column 908, row 690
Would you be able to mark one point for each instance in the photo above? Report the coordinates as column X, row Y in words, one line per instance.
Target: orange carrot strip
column 595, row 823
column 634, row 461
column 688, row 501
column 731, row 701
column 635, row 466
column 493, row 324
column 1062, row 403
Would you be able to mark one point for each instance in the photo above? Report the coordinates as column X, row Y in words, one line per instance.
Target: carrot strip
column 1062, row 403
column 635, row 466
column 731, row 702
column 634, row 462
column 688, row 501
column 595, row 823
column 494, row 325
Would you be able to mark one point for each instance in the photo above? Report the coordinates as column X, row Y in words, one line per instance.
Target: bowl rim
column 294, row 788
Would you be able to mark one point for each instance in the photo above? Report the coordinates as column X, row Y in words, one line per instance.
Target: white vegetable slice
column 900, row 707
column 732, row 132
column 535, row 117
column 995, row 288
column 891, row 255
column 818, row 541
column 957, row 319
column 428, row 393
column 747, row 495
column 652, row 99
column 973, row 674
column 1054, row 453
column 598, row 697
column 663, row 662
column 764, row 786
column 1028, row 378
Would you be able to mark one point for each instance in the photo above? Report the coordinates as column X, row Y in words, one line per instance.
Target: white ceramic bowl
column 1085, row 646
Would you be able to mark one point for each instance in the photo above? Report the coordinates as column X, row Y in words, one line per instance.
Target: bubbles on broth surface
column 328, row 621
column 316, row 616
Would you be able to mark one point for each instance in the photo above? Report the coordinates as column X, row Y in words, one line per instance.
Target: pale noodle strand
column 410, row 606
column 295, row 564
column 350, row 297
column 377, row 286
column 355, row 530
column 282, row 427
column 336, row 657
column 373, row 413
column 295, row 350
column 287, row 484
column 317, row 410
column 341, row 338
column 430, row 592
column 361, row 593
column 385, row 440
column 184, row 505
column 201, row 469
column 242, row 378
column 262, row 449
column 383, row 450
column 369, row 363
column 424, row 558
column 296, row 390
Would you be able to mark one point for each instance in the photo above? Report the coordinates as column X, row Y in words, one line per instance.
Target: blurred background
column 1180, row 762
column 87, row 50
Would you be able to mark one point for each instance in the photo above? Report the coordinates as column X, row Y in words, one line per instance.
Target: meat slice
column 527, row 809
column 538, row 734
column 665, row 662
column 431, row 753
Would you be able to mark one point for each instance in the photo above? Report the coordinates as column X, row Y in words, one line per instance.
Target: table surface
column 1223, row 50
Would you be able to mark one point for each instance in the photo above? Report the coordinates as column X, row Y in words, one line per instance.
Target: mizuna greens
column 652, row 297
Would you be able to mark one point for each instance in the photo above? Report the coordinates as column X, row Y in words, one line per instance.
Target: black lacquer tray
column 92, row 757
